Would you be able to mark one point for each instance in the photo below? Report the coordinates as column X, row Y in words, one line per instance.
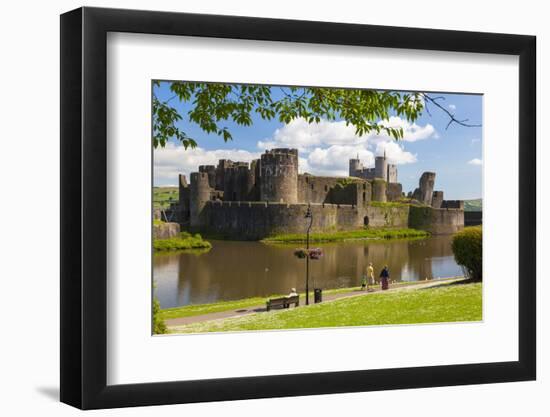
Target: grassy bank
column 444, row 303
column 183, row 242
column 200, row 309
column 353, row 235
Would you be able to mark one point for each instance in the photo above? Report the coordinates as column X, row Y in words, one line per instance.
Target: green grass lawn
column 444, row 303
column 352, row 235
column 200, row 309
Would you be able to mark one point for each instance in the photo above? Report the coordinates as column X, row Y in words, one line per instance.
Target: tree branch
column 452, row 118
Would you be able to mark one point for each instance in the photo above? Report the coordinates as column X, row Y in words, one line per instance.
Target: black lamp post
column 310, row 217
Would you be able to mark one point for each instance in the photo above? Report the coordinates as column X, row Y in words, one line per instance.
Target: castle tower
column 244, row 182
column 184, row 199
column 279, row 176
column 223, row 164
column 392, row 173
column 379, row 190
column 381, row 167
column 200, row 195
column 182, row 188
column 211, row 171
column 355, row 166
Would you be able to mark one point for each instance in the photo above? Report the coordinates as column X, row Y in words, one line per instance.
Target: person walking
column 370, row 276
column 385, row 278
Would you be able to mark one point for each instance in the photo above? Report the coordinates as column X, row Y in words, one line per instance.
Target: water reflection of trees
column 234, row 270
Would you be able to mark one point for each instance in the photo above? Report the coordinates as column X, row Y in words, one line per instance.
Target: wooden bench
column 283, row 302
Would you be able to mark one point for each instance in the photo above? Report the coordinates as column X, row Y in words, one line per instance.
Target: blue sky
column 455, row 154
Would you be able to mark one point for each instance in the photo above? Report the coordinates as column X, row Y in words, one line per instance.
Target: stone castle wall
column 437, row 199
column 165, row 230
column 436, row 221
column 387, row 217
column 455, row 204
column 394, row 191
column 257, row 220
column 332, row 190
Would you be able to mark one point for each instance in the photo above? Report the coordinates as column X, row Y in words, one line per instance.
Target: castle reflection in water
column 235, row 270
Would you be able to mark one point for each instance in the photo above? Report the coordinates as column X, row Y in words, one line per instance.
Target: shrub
column 159, row 327
column 467, row 248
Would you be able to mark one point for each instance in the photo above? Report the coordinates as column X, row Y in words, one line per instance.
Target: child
column 363, row 282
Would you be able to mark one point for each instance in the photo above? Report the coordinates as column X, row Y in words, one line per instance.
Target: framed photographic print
column 257, row 208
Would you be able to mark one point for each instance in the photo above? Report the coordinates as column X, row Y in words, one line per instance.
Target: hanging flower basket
column 300, row 253
column 315, row 253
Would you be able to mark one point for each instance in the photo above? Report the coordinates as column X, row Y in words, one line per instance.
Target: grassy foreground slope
column 444, row 303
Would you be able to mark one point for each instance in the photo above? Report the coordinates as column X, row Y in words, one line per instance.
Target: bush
column 467, row 248
column 158, row 324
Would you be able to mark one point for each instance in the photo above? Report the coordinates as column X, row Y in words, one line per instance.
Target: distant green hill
column 473, row 205
column 163, row 196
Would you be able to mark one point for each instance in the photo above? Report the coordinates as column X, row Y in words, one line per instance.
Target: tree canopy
column 215, row 104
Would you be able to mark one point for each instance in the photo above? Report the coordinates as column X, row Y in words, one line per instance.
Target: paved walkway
column 182, row 321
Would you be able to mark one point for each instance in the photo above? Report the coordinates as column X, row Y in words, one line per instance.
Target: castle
column 239, row 200
column 382, row 170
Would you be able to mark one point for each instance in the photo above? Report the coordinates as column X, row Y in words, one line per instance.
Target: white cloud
column 475, row 161
column 326, row 147
column 303, row 135
column 334, row 160
column 395, row 153
column 175, row 159
column 306, row 136
column 452, row 107
column 411, row 131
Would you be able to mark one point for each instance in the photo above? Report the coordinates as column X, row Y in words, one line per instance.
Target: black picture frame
column 84, row 207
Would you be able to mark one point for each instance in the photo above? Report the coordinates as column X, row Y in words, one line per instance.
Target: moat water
column 235, row 270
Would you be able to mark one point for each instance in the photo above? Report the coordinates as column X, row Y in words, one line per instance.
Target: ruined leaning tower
column 200, row 194
column 279, row 176
column 426, row 185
